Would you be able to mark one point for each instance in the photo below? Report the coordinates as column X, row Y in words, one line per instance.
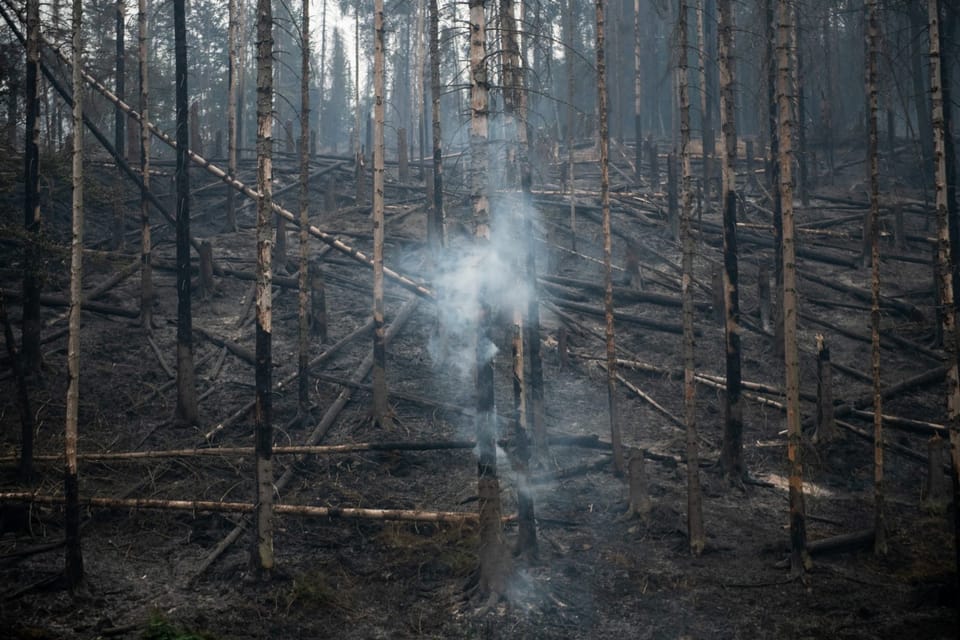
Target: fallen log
column 906, row 452
column 918, row 427
column 623, row 294
column 214, row 506
column 905, row 309
column 222, row 452
column 648, row 323
column 842, row 543
column 931, row 376
column 238, row 350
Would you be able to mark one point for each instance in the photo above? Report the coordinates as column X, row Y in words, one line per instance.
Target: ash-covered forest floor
column 599, row 574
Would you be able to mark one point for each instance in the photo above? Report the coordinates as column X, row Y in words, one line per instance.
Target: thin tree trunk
column 637, row 92
column 918, row 25
column 119, row 117
column 263, row 558
column 941, row 181
column 74, row 556
column 619, row 463
column 303, row 315
column 946, row 248
column 186, row 413
column 571, row 178
column 731, row 455
column 146, row 269
column 524, row 330
column 119, row 120
column 356, row 90
column 27, row 424
column 30, row 331
column 801, row 72
column 322, row 79
column 233, row 74
column 873, row 161
column 381, row 404
column 773, row 174
column 695, row 533
column 494, row 558
column 798, row 536
column 706, row 12
column 437, row 225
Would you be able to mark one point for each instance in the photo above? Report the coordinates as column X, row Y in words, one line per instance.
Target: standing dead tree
column 233, row 74
column 873, row 229
column 146, row 269
column 381, row 406
column 619, row 462
column 74, row 556
column 695, row 533
column 30, row 328
column 186, row 413
column 303, row 311
column 494, row 557
column 262, row 558
column 435, row 226
column 798, row 535
column 731, row 454
column 947, row 245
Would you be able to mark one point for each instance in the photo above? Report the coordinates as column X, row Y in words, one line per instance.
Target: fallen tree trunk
column 649, row 323
column 214, row 506
column 623, row 294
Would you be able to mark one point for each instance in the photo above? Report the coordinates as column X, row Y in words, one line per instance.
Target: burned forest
column 479, row 319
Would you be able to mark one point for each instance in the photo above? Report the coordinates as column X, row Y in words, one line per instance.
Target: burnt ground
column 599, row 574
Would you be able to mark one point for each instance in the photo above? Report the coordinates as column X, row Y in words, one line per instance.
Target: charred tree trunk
column 146, row 253
column 526, row 320
column 918, row 25
column 873, row 162
column 381, row 405
column 798, row 537
column 637, row 92
column 571, row 177
column 25, row 466
column 695, row 532
column 233, row 74
column 619, row 463
column 773, row 175
column 436, row 225
column 731, row 455
column 186, row 387
column 74, row 556
column 947, row 247
column 262, row 558
column 303, row 310
column 494, row 558
column 801, row 71
column 706, row 13
column 119, row 117
column 942, row 203
column 30, row 330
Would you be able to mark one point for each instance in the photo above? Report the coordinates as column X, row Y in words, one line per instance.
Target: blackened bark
column 186, row 413
column 30, row 329
column 262, row 558
column 436, row 223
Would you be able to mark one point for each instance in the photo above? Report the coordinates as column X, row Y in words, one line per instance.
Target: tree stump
column 640, row 505
column 318, row 302
column 207, row 285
